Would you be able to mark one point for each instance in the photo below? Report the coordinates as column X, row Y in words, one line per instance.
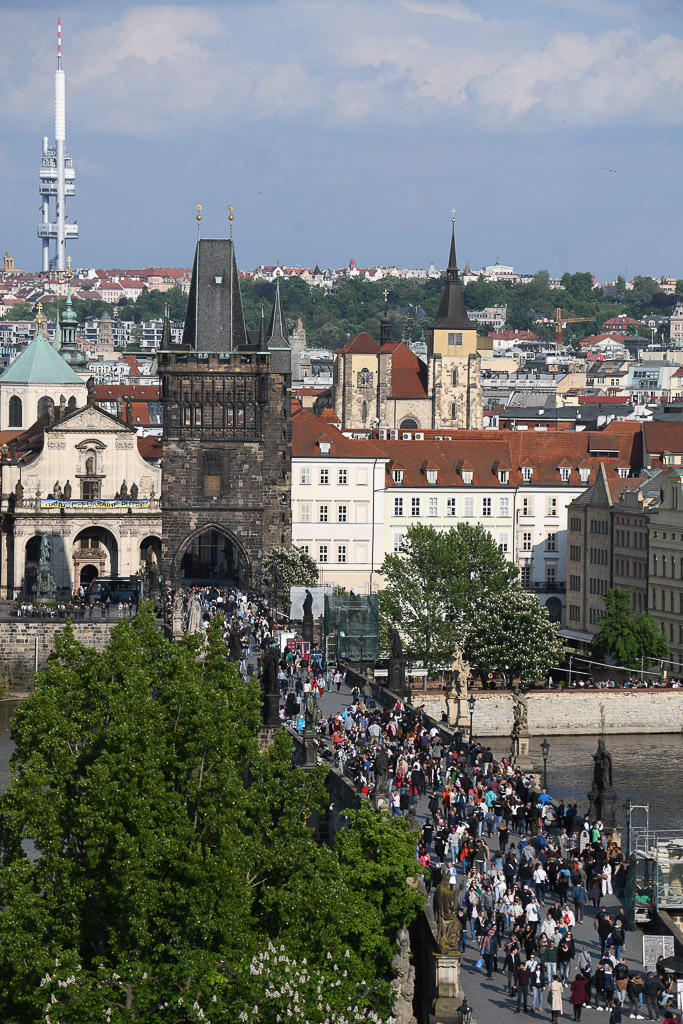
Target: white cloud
column 442, row 8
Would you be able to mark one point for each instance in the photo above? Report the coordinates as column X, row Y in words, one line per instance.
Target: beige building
column 666, row 566
column 387, row 385
column 82, row 480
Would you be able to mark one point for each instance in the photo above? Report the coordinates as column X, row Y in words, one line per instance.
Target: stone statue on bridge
column 448, row 927
column 602, row 796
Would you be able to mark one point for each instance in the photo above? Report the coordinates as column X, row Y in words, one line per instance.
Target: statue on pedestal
column 194, row 614
column 602, row 796
column 381, row 768
column 307, row 630
column 45, row 589
column 177, row 613
column 448, row 927
column 520, row 724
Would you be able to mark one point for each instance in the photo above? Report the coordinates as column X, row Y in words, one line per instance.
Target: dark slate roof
column 277, row 328
column 214, row 320
column 452, row 315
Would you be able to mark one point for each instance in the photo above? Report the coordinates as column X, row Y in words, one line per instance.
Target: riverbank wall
column 25, row 646
column 570, row 712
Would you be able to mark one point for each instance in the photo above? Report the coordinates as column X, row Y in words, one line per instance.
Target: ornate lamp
column 471, row 702
column 545, row 750
column 465, row 1012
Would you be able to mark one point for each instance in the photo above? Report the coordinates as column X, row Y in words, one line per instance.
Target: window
column 197, row 415
column 574, row 612
column 15, row 411
column 304, row 547
column 550, row 573
column 322, row 552
column 397, row 543
column 187, row 415
column 527, row 541
column 305, row 477
column 503, row 508
column 565, row 472
column 452, row 506
column 431, row 476
column 503, row 476
column 454, row 338
column 503, row 543
column 623, row 473
column 304, row 513
column 525, row 575
column 575, row 583
column 45, row 404
column 454, row 410
column 551, row 507
column 432, row 506
column 454, row 378
column 487, row 506
column 584, row 473
column 323, row 514
column 341, row 552
column 527, row 473
column 398, row 506
column 551, row 542
column 575, row 524
column 397, row 475
column 415, row 506
column 324, row 476
column 341, row 513
column 527, row 506
column 468, row 508
column 365, row 378
column 467, row 476
column 342, row 477
column 574, row 553
column 90, row 490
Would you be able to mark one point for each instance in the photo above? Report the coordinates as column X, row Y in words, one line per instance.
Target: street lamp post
column 464, row 1012
column 570, row 669
column 471, row 704
column 545, row 750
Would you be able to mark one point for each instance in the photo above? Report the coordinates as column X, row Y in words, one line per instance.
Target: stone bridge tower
column 226, row 469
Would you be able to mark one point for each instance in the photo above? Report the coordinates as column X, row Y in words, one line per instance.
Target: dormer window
column 397, row 474
column 431, row 476
column 527, row 473
column 324, row 447
column 623, row 472
column 503, row 476
column 467, row 476
column 584, row 473
column 564, row 474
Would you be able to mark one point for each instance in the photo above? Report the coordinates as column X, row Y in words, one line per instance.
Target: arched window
column 364, row 412
column 454, row 410
column 44, row 405
column 409, row 424
column 15, row 411
column 72, row 402
column 454, row 378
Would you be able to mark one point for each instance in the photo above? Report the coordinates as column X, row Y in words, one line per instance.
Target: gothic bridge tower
column 226, row 470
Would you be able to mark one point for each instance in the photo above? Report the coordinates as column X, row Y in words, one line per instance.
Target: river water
column 646, row 768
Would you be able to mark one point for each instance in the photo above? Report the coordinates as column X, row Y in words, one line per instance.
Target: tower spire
column 452, row 315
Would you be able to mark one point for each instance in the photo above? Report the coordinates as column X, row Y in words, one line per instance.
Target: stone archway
column 554, row 608
column 95, row 549
column 210, row 554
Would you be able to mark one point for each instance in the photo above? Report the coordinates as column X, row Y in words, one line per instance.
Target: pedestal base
column 447, row 976
column 520, row 756
column 271, row 710
column 397, row 676
column 310, row 750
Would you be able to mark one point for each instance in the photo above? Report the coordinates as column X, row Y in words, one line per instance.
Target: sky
column 344, row 129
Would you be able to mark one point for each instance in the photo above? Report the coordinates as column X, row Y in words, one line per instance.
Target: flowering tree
column 514, row 635
column 289, row 567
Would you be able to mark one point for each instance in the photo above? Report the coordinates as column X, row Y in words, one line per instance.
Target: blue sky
column 348, row 128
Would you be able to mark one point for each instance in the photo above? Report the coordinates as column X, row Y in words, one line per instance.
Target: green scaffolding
column 355, row 621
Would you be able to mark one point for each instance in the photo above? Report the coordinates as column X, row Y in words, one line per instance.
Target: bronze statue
column 602, row 769
column 381, row 772
column 310, row 710
column 448, row 927
column 396, row 642
column 269, row 664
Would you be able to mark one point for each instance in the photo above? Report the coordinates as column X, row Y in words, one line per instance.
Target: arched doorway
column 95, row 553
column 153, row 543
column 88, row 574
column 409, row 424
column 31, row 559
column 554, row 608
column 212, row 555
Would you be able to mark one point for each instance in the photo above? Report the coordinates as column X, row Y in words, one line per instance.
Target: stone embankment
column 25, row 645
column 571, row 712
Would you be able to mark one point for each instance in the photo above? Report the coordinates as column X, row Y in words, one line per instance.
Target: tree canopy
column 628, row 636
column 289, row 567
column 152, row 855
column 438, row 584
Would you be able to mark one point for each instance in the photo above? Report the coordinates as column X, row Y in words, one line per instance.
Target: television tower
column 57, row 178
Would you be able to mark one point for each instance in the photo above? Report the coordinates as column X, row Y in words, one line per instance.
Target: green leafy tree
column 169, row 853
column 625, row 635
column 289, row 567
column 438, row 583
column 515, row 637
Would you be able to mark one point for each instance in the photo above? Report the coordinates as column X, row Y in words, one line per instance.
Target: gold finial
column 386, row 295
column 68, row 268
column 231, row 218
column 199, row 219
column 453, row 213
column 39, row 315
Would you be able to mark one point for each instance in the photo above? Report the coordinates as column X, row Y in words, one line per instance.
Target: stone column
column 448, row 990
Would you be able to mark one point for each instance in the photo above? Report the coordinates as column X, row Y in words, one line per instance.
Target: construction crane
column 560, row 320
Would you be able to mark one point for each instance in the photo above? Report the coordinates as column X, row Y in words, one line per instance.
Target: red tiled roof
column 150, row 447
column 141, row 392
column 329, row 416
column 308, row 430
column 408, row 374
column 362, row 344
column 663, row 437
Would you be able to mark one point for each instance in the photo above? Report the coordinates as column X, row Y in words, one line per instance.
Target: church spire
column 278, row 336
column 452, row 315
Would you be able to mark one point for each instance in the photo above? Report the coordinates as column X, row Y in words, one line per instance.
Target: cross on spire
column 39, row 315
column 386, row 295
column 453, row 213
column 68, row 268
